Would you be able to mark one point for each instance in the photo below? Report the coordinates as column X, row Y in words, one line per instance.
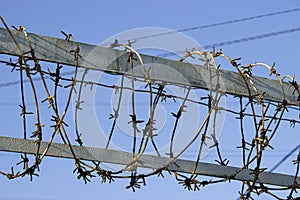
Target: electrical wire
column 237, row 41
column 214, row 24
column 285, row 157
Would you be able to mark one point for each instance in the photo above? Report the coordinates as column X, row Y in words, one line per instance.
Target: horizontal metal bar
column 110, row 60
column 124, row 158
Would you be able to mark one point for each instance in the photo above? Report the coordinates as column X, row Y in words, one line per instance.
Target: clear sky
column 95, row 21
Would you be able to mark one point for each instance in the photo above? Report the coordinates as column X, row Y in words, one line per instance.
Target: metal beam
column 18, row 145
column 110, row 60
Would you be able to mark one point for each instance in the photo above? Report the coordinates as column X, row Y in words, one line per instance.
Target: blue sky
column 95, row 21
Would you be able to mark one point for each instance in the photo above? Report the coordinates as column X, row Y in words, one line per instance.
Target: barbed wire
column 266, row 117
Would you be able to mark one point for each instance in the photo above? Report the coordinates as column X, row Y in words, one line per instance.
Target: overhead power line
column 285, row 157
column 255, row 37
column 216, row 24
column 240, row 40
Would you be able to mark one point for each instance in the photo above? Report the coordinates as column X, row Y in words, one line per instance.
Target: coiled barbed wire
column 267, row 117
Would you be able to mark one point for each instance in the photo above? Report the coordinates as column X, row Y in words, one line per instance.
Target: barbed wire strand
column 266, row 121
